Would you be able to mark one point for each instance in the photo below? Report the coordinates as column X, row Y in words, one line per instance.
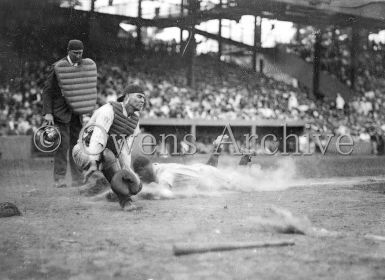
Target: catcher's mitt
column 125, row 184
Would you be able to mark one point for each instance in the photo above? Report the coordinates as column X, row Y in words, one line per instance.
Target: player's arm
column 49, row 89
column 159, row 190
column 102, row 118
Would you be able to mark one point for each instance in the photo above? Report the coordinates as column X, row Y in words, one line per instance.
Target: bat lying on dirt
column 194, row 248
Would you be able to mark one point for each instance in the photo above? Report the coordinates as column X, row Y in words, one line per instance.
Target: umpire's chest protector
column 78, row 84
column 121, row 125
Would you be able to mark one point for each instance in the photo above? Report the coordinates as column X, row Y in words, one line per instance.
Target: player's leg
column 245, row 159
column 96, row 183
column 214, row 157
column 60, row 156
column 213, row 160
column 124, row 183
column 75, row 128
column 216, row 151
column 110, row 164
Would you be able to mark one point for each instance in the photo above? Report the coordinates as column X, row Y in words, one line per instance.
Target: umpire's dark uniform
column 69, row 125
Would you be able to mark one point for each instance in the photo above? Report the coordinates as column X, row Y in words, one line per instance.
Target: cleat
column 97, row 183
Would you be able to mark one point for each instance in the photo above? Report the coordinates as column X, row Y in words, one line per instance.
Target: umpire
column 70, row 92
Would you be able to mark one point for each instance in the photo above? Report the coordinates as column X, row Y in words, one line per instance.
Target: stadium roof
column 369, row 14
column 365, row 13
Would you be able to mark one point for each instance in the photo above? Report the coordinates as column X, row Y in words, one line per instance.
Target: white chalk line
column 336, row 181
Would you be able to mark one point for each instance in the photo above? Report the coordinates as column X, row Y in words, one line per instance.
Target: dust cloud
column 254, row 178
column 204, row 180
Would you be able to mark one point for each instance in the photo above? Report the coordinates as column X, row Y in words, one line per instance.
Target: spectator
column 293, row 102
column 340, row 102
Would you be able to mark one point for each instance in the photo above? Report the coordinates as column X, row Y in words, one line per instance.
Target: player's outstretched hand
column 156, row 191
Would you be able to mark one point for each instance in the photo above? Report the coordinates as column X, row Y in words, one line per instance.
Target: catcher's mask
column 47, row 138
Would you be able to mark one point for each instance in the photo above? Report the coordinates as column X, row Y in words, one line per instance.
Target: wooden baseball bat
column 195, row 248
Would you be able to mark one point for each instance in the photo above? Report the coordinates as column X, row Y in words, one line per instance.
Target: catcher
column 105, row 144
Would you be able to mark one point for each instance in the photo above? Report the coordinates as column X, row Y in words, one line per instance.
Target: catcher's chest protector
column 121, row 125
column 78, row 84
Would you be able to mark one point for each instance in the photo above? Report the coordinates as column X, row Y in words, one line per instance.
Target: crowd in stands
column 222, row 91
column 21, row 100
column 363, row 115
column 336, row 57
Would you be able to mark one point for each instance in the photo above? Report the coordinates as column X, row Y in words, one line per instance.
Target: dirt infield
column 62, row 235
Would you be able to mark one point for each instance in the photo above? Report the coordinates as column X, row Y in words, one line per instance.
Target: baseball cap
column 130, row 89
column 75, row 45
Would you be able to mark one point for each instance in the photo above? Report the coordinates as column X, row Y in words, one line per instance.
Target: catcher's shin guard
column 111, row 164
column 124, row 183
